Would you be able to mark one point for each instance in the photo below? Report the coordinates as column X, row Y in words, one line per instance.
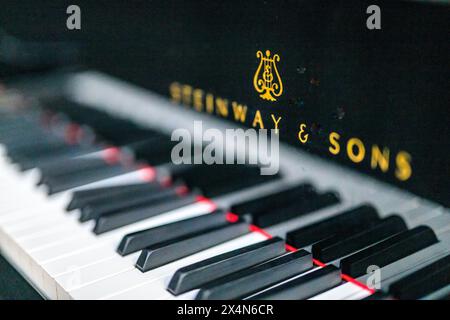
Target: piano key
column 35, row 160
column 128, row 283
column 162, row 253
column 341, row 292
column 145, row 174
column 204, row 173
column 73, row 166
column 440, row 294
column 304, row 287
column 75, row 276
column 272, row 200
column 388, row 251
column 113, row 238
column 200, row 273
column 70, row 249
column 23, row 215
column 125, row 217
column 144, row 238
column 66, row 182
column 411, row 263
column 353, row 219
column 46, row 160
column 440, row 224
column 127, row 200
column 41, row 236
column 38, row 149
column 424, row 281
column 246, row 282
column 83, row 197
column 417, row 216
column 233, row 184
column 216, row 180
column 37, row 218
column 304, row 206
column 56, row 251
column 79, row 240
column 47, row 238
column 344, row 244
column 32, row 233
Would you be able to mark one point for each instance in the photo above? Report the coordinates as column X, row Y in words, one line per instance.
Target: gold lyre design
column 264, row 81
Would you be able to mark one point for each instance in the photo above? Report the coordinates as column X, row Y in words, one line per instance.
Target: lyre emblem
column 264, row 81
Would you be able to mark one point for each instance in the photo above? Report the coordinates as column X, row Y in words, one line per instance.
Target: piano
column 93, row 207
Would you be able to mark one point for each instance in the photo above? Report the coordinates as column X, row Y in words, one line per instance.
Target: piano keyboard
column 91, row 208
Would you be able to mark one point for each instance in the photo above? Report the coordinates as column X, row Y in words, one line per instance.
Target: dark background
column 388, row 87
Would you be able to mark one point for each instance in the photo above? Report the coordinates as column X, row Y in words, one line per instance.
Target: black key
column 126, row 217
column 126, row 200
column 244, row 283
column 216, row 180
column 302, row 206
column 36, row 150
column 104, row 125
column 66, row 182
column 423, row 282
column 388, row 251
column 344, row 244
column 18, row 143
column 273, row 200
column 304, row 287
column 200, row 273
column 139, row 240
column 200, row 174
column 71, row 166
column 27, row 159
column 63, row 155
column 440, row 294
column 12, row 125
column 175, row 249
column 154, row 153
column 233, row 184
column 18, row 137
column 354, row 219
column 81, row 198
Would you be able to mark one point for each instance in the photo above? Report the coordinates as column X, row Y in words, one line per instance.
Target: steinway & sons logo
column 267, row 79
column 267, row 82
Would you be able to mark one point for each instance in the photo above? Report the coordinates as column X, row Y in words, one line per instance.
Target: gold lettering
column 175, row 92
column 302, row 136
column 222, row 107
column 204, row 101
column 239, row 111
column 379, row 158
column 403, row 162
column 258, row 120
column 209, row 103
column 359, row 156
column 187, row 94
column 276, row 122
column 198, row 99
column 335, row 148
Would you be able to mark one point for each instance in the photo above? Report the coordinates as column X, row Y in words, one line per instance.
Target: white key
column 341, row 292
column 133, row 278
column 88, row 240
column 157, row 289
column 74, row 254
column 106, row 268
